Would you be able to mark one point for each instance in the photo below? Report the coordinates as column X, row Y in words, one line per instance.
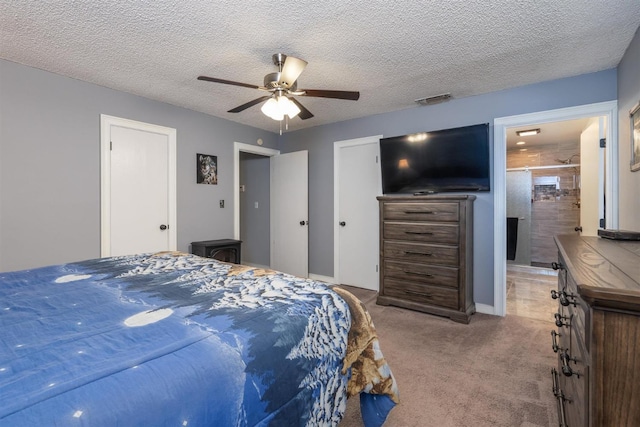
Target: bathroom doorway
column 609, row 176
column 545, row 187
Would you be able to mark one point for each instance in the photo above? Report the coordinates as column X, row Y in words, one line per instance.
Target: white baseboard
column 320, row 278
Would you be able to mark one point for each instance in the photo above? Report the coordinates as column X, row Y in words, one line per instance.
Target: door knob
column 342, row 223
column 303, row 222
column 163, row 227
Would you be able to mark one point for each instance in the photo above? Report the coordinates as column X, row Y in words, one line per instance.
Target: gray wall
column 255, row 233
column 50, row 160
column 50, row 166
column 628, row 96
column 580, row 90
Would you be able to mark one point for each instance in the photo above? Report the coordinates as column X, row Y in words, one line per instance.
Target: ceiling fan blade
column 249, row 104
column 337, row 94
column 291, row 70
column 227, row 82
column 304, row 113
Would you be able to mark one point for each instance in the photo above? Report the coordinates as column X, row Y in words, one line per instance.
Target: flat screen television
column 441, row 161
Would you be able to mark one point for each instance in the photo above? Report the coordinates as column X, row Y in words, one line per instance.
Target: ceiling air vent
column 430, row 100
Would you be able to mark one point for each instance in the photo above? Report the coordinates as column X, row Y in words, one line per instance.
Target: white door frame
column 608, row 109
column 239, row 147
column 337, row 145
column 105, row 177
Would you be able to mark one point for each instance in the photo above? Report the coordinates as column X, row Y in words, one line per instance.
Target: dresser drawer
column 442, row 297
column 416, row 252
column 432, row 211
column 575, row 386
column 574, row 391
column 422, row 273
column 427, row 232
column 561, row 338
column 579, row 313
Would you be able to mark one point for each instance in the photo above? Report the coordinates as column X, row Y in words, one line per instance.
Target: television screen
column 439, row 161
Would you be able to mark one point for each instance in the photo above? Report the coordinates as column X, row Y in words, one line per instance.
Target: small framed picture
column 635, row 137
column 206, row 169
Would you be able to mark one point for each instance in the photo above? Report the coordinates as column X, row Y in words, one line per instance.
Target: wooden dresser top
column 425, row 198
column 607, row 272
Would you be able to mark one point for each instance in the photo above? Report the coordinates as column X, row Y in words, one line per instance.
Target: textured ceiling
column 392, row 52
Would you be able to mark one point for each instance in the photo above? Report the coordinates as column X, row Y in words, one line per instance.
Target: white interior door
column 138, row 213
column 358, row 183
column 290, row 213
column 591, row 183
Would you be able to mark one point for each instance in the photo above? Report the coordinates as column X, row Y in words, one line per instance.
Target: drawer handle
column 419, row 232
column 554, row 382
column 566, row 369
column 559, row 320
column 554, row 345
column 419, row 212
column 417, row 253
column 563, row 297
column 417, row 274
column 562, row 420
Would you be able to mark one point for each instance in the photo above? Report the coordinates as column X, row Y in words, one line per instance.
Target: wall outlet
column 222, row 203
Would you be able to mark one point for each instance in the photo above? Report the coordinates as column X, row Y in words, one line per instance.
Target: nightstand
column 227, row 250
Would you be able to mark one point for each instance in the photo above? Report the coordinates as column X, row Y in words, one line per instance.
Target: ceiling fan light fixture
column 276, row 108
column 288, row 107
column 271, row 109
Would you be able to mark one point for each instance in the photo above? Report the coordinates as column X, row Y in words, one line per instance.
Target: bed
column 176, row 339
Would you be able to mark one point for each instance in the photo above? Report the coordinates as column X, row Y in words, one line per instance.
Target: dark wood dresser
column 597, row 340
column 426, row 254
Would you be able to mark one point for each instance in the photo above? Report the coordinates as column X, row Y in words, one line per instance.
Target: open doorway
column 552, row 181
column 246, row 156
column 288, row 202
column 545, row 187
column 608, row 110
column 254, row 195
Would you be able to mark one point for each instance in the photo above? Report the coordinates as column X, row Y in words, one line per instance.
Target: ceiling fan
column 282, row 86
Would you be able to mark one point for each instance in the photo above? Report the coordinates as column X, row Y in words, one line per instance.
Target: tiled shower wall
column 551, row 215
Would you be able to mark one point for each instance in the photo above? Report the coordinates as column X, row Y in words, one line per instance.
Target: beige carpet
column 495, row 371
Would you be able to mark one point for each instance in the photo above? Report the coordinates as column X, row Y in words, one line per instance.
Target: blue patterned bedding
column 175, row 339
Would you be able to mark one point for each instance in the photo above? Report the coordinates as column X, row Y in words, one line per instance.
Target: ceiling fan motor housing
column 272, row 81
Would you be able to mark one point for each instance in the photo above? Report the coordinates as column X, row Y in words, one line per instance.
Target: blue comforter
column 172, row 339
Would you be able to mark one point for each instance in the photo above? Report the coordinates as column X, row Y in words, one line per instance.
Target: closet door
column 358, row 183
column 138, row 188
